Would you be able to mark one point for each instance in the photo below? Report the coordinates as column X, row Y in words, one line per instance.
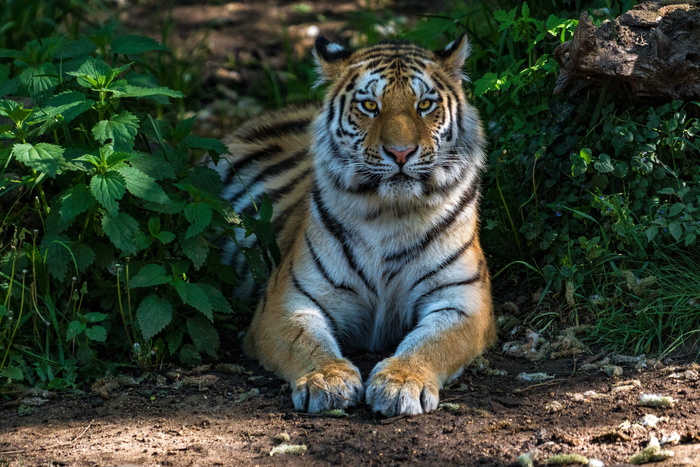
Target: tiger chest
column 379, row 284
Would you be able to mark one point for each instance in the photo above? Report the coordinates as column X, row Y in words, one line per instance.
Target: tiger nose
column 400, row 154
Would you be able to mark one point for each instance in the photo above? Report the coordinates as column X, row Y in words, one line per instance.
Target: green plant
column 21, row 21
column 109, row 216
column 611, row 184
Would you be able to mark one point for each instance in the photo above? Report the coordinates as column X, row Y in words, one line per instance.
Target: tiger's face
column 395, row 120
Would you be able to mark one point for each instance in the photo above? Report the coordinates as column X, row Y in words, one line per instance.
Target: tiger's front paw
column 335, row 385
column 396, row 387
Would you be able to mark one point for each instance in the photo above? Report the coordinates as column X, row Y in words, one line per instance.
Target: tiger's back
column 269, row 155
column 376, row 205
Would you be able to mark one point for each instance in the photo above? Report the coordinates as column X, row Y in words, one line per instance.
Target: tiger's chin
column 401, row 188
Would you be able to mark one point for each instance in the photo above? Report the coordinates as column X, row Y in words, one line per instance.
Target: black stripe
column 301, row 332
column 282, row 129
column 336, row 229
column 433, row 233
column 282, row 218
column 460, row 117
column 289, row 186
column 270, row 171
column 274, row 195
column 341, row 108
column 322, row 268
column 303, row 291
column 449, row 260
column 263, row 304
column 366, row 187
column 448, row 111
column 450, row 308
column 241, row 163
column 331, row 113
column 475, row 278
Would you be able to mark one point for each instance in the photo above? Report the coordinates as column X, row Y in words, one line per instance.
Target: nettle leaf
column 255, row 264
column 154, row 166
column 266, row 210
column 122, row 231
column 77, row 48
column 75, row 328
column 67, row 105
column 154, row 225
column 40, row 81
column 190, row 356
column 9, row 87
column 203, row 334
column 84, row 256
column 193, row 295
column 153, row 315
column 488, row 82
column 165, row 236
column 195, row 248
column 107, row 189
column 212, row 145
column 96, row 333
column 183, row 128
column 103, row 36
column 174, row 339
column 56, row 250
column 217, row 299
column 95, row 317
column 135, row 44
column 120, row 128
column 205, row 178
column 200, row 215
column 676, row 230
column 676, row 209
column 150, row 275
column 92, row 73
column 14, row 111
column 130, row 90
column 42, row 157
column 142, row 186
column 74, row 202
column 12, row 372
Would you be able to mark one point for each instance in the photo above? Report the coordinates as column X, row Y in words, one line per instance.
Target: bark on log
column 655, row 47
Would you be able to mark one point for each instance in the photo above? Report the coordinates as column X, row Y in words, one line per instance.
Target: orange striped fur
column 375, row 201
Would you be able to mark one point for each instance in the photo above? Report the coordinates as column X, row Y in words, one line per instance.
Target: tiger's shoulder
column 269, row 155
column 269, row 137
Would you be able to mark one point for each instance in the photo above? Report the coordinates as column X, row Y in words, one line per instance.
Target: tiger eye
column 425, row 104
column 369, row 105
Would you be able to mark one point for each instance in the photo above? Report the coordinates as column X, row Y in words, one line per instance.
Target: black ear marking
column 451, row 47
column 454, row 55
column 329, row 51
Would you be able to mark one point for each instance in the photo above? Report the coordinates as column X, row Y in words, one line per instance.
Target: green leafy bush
column 108, row 223
column 588, row 189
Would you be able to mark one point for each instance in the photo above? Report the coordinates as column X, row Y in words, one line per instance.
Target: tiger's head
column 395, row 121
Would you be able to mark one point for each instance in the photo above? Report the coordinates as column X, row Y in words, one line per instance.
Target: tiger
column 375, row 197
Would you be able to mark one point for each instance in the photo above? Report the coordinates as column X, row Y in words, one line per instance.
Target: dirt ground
column 239, row 414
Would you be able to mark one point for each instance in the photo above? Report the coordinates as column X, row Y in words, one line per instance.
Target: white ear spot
column 334, row 48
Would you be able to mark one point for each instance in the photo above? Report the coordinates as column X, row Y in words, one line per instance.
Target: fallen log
column 654, row 48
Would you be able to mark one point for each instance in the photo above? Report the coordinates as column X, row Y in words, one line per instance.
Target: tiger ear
column 330, row 58
column 454, row 55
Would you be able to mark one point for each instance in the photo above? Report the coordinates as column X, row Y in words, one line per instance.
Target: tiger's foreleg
column 453, row 331
column 291, row 335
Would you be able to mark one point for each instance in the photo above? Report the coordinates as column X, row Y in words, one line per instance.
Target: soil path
column 237, row 415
